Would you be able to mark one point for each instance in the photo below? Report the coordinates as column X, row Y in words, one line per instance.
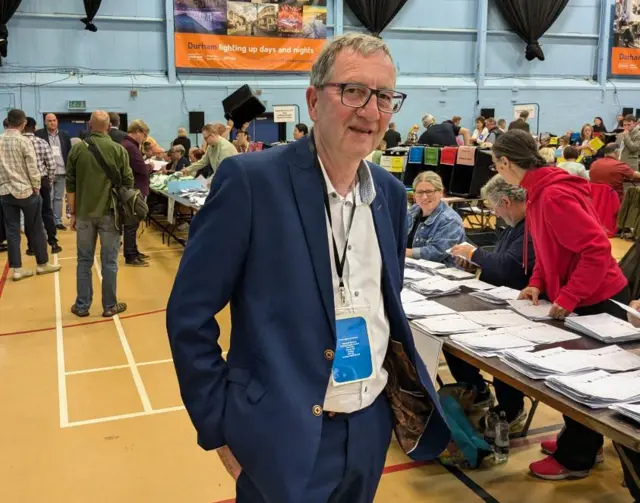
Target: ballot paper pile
column 453, row 273
column 604, row 327
column 598, row 389
column 630, row 410
column 425, row 308
column 496, row 318
column 498, row 296
column 195, row 196
column 560, row 361
column 413, row 275
column 446, row 325
column 423, row 265
column 490, row 343
column 436, row 286
column 527, row 309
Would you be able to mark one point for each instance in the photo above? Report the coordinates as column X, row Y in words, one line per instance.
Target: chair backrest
column 607, row 204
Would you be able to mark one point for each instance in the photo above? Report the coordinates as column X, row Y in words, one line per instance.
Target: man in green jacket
column 218, row 149
column 92, row 215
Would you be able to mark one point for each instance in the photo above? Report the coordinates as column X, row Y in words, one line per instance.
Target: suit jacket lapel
column 307, row 188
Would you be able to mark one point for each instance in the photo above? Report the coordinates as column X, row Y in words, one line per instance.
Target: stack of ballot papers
column 490, row 343
column 453, row 273
column 475, row 284
column 423, row 265
column 630, row 410
column 425, row 308
column 538, row 333
column 497, row 296
column 412, row 275
column 604, row 327
column 598, row 389
column 407, row 296
column 496, row 318
column 436, row 286
column 447, row 324
column 526, row 308
column 542, row 364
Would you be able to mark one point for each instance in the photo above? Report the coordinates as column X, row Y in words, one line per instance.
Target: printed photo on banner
column 625, row 53
column 282, row 35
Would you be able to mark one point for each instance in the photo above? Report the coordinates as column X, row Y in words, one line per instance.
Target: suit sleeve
column 448, row 232
column 205, row 283
column 402, row 235
column 584, row 237
column 500, row 268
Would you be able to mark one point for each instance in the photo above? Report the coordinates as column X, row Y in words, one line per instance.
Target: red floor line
column 75, row 325
column 3, row 279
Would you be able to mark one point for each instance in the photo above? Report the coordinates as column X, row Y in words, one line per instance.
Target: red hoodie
column 574, row 266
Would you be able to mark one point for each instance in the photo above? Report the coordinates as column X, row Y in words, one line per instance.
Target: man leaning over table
column 295, row 419
column 218, row 149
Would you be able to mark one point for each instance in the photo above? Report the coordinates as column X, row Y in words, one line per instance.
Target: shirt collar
column 365, row 188
column 55, row 133
column 13, row 132
column 28, row 134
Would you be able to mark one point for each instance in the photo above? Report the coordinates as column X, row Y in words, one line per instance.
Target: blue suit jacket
column 260, row 243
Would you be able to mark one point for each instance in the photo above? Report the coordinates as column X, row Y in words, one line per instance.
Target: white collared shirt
column 362, row 278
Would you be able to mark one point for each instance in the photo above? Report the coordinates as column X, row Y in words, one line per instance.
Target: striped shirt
column 44, row 154
column 19, row 174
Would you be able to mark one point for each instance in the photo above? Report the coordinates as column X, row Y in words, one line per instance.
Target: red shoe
column 551, row 446
column 549, row 469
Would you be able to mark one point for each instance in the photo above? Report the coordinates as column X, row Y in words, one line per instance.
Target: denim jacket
column 439, row 232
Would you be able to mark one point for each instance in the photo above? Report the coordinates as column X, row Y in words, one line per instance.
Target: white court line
column 137, row 379
column 124, row 416
column 62, row 380
column 157, row 362
column 99, row 369
column 146, row 253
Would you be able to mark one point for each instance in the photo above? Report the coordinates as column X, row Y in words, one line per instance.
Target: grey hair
column 497, row 188
column 356, row 42
column 428, row 119
column 178, row 148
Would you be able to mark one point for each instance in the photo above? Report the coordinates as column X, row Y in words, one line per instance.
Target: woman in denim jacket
column 432, row 226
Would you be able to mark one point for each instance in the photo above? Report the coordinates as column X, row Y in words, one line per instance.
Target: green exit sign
column 77, row 105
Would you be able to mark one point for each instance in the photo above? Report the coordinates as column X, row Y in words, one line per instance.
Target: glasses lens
column 354, row 95
column 390, row 101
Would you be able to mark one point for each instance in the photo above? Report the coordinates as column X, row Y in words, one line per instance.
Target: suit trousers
column 350, row 460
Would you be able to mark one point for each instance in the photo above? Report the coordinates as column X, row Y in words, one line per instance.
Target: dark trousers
column 353, row 448
column 130, row 237
column 510, row 400
column 31, row 207
column 3, row 233
column 48, row 218
column 577, row 444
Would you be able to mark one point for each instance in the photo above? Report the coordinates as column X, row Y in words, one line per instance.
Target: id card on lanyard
column 353, row 359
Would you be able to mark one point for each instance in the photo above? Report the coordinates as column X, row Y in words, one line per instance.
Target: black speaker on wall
column 196, row 122
column 488, row 112
column 627, row 111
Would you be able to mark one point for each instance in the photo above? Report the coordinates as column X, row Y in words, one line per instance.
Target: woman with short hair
column 432, row 226
column 574, row 269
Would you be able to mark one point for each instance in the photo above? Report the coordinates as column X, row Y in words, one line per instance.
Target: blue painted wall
column 52, row 59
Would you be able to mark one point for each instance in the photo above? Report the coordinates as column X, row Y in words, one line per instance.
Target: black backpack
column 129, row 206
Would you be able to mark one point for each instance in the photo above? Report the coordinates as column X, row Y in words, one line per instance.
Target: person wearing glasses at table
column 308, row 244
column 218, row 149
column 432, row 226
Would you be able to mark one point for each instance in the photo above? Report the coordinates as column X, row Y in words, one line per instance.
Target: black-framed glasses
column 426, row 193
column 358, row 96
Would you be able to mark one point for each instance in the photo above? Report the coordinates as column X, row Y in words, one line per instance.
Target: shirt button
column 356, row 293
column 329, row 354
column 349, row 247
column 334, row 195
column 317, row 410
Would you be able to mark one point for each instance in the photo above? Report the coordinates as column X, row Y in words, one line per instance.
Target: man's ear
column 312, row 102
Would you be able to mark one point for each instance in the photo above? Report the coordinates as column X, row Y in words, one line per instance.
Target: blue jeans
column 57, row 195
column 88, row 230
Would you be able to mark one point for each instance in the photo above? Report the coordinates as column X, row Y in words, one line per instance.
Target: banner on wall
column 269, row 35
column 625, row 52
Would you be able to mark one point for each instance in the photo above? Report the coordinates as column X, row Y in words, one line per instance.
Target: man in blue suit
column 307, row 244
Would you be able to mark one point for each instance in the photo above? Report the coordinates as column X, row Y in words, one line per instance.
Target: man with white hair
column 443, row 135
column 308, row 243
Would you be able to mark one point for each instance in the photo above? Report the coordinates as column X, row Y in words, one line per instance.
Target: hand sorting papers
column 632, row 411
column 598, row 389
column 425, row 308
column 453, row 273
column 526, row 308
column 445, row 325
column 604, row 327
column 497, row 296
column 496, row 318
column 423, row 265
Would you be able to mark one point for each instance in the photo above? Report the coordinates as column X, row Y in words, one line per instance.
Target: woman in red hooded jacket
column 574, row 269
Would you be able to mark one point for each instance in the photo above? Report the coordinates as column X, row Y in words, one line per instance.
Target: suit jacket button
column 317, row 410
column 329, row 354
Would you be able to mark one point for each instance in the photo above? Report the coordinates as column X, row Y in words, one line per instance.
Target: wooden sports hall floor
column 90, row 409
